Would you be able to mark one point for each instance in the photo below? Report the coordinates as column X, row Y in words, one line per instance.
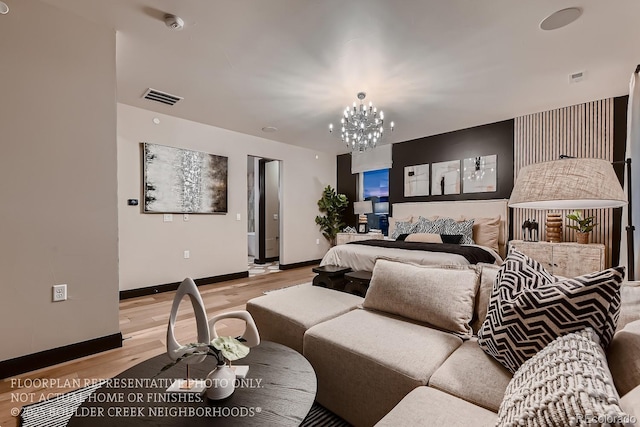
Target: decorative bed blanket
column 473, row 254
column 363, row 257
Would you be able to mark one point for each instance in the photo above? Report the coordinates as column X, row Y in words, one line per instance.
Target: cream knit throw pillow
column 567, row 383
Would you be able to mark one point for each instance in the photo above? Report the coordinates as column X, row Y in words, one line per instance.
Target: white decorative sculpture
column 250, row 334
column 206, row 333
column 174, row 349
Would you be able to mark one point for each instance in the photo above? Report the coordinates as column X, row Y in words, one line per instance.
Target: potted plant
column 332, row 205
column 584, row 227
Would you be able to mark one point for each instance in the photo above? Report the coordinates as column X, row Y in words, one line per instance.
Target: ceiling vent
column 163, row 97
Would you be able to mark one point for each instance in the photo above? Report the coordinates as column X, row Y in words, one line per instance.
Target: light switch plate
column 167, row 218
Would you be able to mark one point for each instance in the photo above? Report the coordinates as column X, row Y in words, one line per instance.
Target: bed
column 488, row 215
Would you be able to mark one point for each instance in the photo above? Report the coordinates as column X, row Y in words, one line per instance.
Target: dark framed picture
column 362, row 228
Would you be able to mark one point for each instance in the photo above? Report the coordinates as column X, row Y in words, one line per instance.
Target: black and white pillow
column 402, row 227
column 561, row 385
column 529, row 308
column 424, row 225
column 465, row 228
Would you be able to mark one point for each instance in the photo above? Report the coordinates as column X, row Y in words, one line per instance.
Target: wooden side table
column 564, row 259
column 358, row 282
column 330, row 276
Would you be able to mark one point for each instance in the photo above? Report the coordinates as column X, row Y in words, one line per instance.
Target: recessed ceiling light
column 4, row 9
column 560, row 18
column 269, row 129
column 156, row 120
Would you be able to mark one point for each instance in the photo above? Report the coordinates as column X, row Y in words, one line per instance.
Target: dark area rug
column 56, row 412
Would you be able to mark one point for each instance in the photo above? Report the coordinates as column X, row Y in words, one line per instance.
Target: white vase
column 221, row 383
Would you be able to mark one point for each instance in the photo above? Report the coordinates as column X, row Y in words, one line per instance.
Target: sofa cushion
column 624, row 358
column 443, row 297
column 366, row 362
column 488, row 274
column 630, row 309
column 426, row 406
column 630, row 402
column 565, row 382
column 284, row 315
column 529, row 308
column 470, row 374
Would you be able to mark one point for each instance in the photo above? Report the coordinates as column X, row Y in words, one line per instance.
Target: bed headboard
column 455, row 209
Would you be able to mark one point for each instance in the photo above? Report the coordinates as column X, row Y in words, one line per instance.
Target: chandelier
column 361, row 126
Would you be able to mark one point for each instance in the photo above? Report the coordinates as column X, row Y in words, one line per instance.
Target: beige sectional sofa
column 374, row 366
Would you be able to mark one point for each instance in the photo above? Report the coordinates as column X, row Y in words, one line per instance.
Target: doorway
column 263, row 211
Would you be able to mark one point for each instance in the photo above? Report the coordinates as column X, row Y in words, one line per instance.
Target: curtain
column 370, row 160
column 633, row 152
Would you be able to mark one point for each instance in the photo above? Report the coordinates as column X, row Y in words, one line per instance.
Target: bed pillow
column 486, row 232
column 464, row 228
column 455, row 239
column 424, row 238
column 426, row 225
column 401, row 227
column 440, row 296
column 567, row 383
column 529, row 308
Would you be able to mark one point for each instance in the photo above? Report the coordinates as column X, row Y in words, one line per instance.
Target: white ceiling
column 433, row 65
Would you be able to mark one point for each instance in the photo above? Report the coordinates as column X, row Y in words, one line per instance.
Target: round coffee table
column 278, row 390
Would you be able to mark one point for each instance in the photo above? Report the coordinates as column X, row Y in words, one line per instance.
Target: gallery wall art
column 479, row 174
column 177, row 180
column 416, row 180
column 445, row 178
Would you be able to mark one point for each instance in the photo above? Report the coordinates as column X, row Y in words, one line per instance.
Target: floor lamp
column 573, row 184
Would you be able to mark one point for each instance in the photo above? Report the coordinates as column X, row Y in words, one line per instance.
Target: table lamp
column 572, row 184
column 362, row 209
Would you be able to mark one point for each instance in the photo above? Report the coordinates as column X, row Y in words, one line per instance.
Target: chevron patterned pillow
column 529, row 308
column 465, row 228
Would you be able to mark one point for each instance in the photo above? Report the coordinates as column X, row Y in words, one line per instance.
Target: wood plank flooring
column 143, row 323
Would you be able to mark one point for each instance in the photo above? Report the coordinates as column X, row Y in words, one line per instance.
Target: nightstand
column 343, row 238
column 564, row 259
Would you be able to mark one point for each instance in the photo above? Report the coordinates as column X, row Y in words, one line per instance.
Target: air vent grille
column 163, row 97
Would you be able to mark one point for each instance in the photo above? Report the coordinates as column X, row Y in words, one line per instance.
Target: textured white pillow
column 440, row 296
column 567, row 383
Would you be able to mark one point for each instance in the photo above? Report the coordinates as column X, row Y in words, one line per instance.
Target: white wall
column 58, row 186
column 151, row 251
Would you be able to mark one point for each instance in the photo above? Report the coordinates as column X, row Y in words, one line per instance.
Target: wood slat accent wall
column 584, row 130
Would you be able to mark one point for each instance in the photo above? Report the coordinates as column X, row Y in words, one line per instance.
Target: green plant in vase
column 584, row 225
column 332, row 205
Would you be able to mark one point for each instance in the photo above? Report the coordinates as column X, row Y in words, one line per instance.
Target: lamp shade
column 361, row 208
column 568, row 184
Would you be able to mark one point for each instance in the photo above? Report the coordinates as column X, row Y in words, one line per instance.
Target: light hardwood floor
column 143, row 323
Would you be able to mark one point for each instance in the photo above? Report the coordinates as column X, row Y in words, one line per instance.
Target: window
column 374, row 186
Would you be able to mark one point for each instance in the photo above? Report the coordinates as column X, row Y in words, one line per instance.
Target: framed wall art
column 416, row 180
column 177, row 180
column 445, row 178
column 479, row 174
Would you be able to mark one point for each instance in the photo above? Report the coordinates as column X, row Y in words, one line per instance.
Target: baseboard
column 266, row 260
column 151, row 290
column 43, row 359
column 300, row 264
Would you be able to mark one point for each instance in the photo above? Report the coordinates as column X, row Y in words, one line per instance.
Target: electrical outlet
column 167, row 217
column 238, row 217
column 317, row 241
column 187, row 254
column 59, row 292
column 185, row 217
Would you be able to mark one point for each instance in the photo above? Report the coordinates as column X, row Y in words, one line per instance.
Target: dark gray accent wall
column 347, row 184
column 494, row 138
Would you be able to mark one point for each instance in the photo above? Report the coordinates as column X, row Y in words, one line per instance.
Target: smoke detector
column 174, row 22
